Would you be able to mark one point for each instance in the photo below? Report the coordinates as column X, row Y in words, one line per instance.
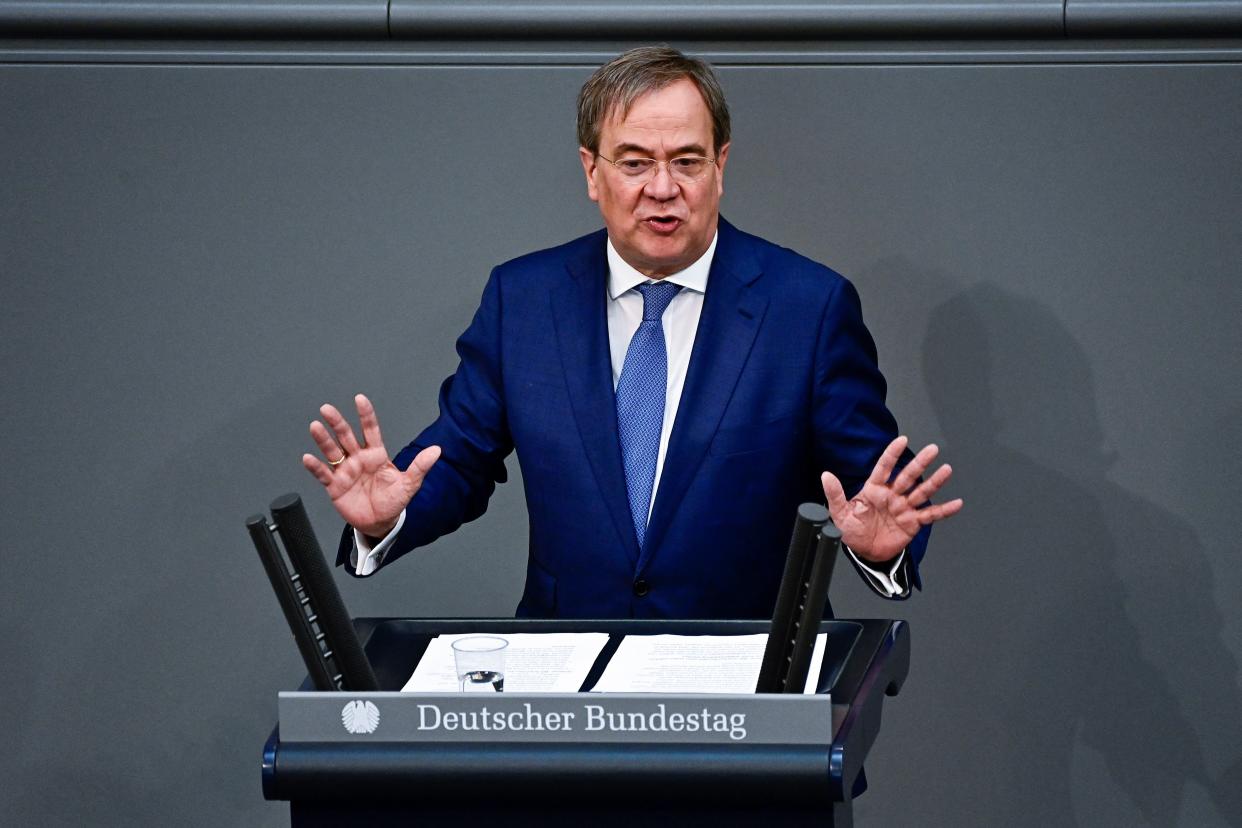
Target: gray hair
column 624, row 79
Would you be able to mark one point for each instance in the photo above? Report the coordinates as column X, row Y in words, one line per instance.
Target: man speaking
column 673, row 388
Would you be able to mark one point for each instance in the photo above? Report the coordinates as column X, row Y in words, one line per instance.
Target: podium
column 797, row 756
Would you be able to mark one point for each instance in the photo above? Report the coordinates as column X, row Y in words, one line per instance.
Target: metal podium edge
column 861, row 725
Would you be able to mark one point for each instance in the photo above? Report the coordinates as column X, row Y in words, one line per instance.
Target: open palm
column 882, row 519
column 368, row 491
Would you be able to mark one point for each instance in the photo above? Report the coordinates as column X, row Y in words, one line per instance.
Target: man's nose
column 662, row 187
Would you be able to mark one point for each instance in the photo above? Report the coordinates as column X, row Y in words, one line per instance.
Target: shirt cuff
column 895, row 583
column 364, row 558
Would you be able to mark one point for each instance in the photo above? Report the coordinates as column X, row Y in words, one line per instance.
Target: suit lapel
column 731, row 316
column 579, row 312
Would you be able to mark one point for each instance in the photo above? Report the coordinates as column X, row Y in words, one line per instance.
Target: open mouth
column 663, row 224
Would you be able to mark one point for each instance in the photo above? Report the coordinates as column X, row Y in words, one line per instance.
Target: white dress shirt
column 681, row 322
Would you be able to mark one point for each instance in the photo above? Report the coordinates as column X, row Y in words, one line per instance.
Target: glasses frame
column 646, row 177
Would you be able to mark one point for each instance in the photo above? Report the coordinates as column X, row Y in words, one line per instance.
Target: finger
column 939, row 511
column 915, row 468
column 421, row 464
column 326, row 442
column 838, row 504
column 924, row 491
column 370, row 423
column 884, row 466
column 318, row 468
column 344, row 433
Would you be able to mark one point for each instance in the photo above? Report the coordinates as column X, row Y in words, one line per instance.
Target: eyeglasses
column 684, row 169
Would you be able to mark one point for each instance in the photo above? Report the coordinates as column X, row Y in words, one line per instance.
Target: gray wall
column 199, row 243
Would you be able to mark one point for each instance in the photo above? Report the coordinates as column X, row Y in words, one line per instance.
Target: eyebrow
column 687, row 149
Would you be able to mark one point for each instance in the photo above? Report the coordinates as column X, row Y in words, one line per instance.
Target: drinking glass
column 480, row 661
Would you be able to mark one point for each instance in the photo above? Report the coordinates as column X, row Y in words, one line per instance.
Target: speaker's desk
column 800, row 759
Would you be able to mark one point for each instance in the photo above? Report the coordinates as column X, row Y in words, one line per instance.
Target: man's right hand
column 366, row 488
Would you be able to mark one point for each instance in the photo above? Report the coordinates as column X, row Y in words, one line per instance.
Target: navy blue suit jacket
column 782, row 384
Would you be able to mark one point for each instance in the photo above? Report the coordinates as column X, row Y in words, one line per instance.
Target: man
column 673, row 388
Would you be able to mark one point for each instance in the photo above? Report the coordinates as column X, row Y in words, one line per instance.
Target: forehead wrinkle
column 652, row 141
column 639, row 149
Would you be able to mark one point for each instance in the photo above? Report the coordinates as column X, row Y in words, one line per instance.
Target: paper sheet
column 534, row 663
column 693, row 664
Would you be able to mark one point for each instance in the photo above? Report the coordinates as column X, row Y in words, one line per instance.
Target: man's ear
column 589, row 165
column 721, row 157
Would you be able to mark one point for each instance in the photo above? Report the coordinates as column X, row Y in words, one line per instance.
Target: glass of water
column 480, row 663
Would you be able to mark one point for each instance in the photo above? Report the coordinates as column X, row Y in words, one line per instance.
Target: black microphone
column 800, row 601
column 311, row 603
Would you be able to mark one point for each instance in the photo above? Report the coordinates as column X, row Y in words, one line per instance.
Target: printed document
column 693, row 664
column 534, row 663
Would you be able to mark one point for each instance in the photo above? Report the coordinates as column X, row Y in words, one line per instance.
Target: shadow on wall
column 1082, row 633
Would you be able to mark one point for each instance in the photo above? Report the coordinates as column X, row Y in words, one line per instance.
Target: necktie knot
column 656, row 298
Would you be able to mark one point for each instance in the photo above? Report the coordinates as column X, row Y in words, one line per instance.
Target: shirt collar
column 623, row 277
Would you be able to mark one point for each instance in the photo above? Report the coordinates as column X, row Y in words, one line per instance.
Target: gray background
column 199, row 244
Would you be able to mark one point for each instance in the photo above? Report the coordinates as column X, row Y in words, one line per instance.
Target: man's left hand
column 884, row 517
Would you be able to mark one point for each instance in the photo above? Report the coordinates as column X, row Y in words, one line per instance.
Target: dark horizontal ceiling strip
column 1153, row 18
column 214, row 19
column 636, row 20
column 724, row 19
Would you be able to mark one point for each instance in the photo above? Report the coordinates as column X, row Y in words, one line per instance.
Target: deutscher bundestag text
column 594, row 718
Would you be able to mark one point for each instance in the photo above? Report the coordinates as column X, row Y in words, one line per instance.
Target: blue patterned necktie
column 640, row 402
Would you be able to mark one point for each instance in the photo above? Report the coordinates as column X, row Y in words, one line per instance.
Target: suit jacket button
column 641, row 587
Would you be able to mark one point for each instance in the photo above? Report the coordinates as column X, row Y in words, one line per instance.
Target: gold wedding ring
column 335, row 463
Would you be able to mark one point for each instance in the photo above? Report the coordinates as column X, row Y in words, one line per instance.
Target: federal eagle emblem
column 360, row 716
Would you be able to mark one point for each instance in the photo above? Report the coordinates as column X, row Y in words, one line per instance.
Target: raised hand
column 884, row 517
column 366, row 488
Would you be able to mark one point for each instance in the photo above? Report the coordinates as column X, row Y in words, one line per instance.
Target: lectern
column 793, row 757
